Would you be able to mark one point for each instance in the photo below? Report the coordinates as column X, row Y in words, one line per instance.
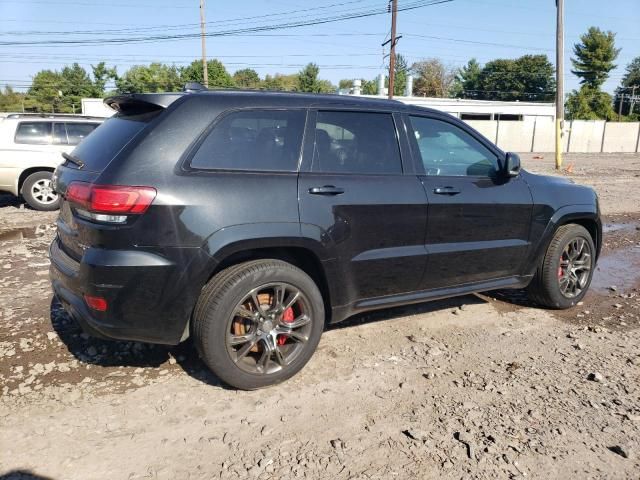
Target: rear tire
column 249, row 346
column 37, row 192
column 565, row 272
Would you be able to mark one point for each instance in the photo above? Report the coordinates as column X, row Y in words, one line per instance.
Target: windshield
column 104, row 143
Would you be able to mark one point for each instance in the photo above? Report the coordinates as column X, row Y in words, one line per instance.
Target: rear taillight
column 96, row 303
column 109, row 203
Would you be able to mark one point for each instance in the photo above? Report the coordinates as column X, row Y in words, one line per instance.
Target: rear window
column 267, row 140
column 77, row 131
column 99, row 148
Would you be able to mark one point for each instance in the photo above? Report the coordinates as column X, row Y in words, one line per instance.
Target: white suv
column 30, row 149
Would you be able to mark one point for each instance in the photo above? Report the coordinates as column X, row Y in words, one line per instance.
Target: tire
column 546, row 288
column 251, row 347
column 36, row 191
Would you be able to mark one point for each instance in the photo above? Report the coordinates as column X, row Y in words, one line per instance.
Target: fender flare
column 562, row 216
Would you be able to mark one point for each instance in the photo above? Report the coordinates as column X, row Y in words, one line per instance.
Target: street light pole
column 559, row 80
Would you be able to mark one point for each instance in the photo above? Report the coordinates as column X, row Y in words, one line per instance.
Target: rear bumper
column 150, row 295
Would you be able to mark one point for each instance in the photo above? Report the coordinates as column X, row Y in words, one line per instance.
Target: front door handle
column 326, row 190
column 446, row 191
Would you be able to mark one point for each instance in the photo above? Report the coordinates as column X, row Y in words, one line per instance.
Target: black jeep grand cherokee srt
column 248, row 220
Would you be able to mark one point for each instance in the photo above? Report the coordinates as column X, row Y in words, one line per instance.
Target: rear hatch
column 83, row 167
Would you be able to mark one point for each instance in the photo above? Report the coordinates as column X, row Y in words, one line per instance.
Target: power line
column 240, row 31
column 477, row 42
column 109, row 5
column 187, row 25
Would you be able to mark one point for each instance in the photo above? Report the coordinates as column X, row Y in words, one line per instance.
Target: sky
column 453, row 32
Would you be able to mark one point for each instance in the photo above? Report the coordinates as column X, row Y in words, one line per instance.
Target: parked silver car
column 30, row 149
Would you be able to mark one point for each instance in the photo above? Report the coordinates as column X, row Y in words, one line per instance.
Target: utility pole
column 392, row 56
column 633, row 99
column 205, row 72
column 620, row 102
column 559, row 80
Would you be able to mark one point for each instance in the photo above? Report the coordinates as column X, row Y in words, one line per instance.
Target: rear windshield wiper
column 70, row 158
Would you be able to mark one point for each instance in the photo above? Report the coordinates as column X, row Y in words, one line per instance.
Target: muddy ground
column 483, row 386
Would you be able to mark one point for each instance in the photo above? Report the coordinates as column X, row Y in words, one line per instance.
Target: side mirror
column 512, row 164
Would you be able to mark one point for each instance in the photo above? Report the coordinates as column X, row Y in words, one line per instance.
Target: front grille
column 62, row 260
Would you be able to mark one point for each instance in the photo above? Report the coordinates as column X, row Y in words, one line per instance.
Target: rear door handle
column 446, row 191
column 326, row 190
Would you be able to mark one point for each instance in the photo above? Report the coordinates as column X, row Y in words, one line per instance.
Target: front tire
column 37, row 191
column 258, row 323
column 565, row 272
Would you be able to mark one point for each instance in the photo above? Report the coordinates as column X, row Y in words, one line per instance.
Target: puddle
column 17, row 234
column 617, row 227
column 620, row 269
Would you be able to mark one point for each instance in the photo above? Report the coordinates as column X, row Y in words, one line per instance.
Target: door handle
column 326, row 190
column 446, row 191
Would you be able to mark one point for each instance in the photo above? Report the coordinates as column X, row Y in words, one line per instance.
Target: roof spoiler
column 141, row 102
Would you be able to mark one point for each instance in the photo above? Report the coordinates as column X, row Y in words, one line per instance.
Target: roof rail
column 194, row 87
column 53, row 116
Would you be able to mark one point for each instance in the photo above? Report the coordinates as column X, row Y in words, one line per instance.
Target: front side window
column 77, row 131
column 267, row 140
column 356, row 142
column 34, row 133
column 448, row 150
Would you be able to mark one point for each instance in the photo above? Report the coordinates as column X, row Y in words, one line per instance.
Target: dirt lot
column 482, row 386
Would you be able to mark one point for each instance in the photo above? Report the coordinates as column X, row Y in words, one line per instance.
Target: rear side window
column 33, row 133
column 99, row 148
column 356, row 142
column 77, row 131
column 266, row 140
column 59, row 134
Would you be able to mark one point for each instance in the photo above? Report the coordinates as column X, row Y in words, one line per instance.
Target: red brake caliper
column 559, row 272
column 287, row 317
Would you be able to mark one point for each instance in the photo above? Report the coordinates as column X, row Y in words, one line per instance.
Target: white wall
column 544, row 139
column 586, row 136
column 488, row 128
column 621, row 137
column 96, row 108
column 515, row 136
column 580, row 136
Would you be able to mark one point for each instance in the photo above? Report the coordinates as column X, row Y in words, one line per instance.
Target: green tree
column 369, row 87
column 325, row 86
column 308, row 79
column 589, row 103
column 156, row 77
column 247, row 78
column 76, row 84
column 433, row 78
column 594, row 57
column 45, row 93
column 467, row 81
column 530, row 77
column 280, row 82
column 401, row 70
column 11, row 101
column 101, row 75
column 217, row 73
column 345, row 84
column 630, row 79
